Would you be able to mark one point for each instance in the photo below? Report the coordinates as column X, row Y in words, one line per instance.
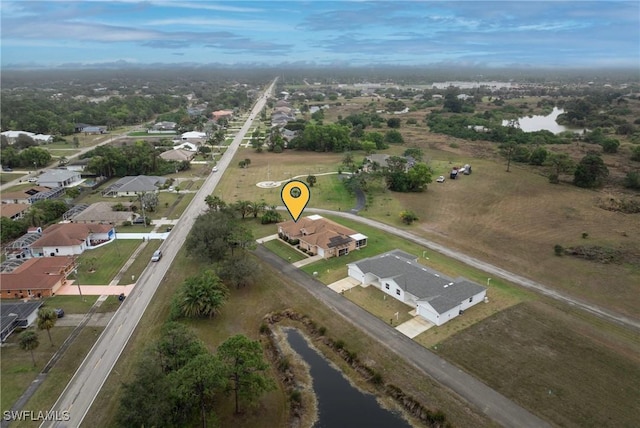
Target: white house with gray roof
column 436, row 297
column 134, row 185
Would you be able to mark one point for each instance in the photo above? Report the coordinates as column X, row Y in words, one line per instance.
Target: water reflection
column 539, row 123
column 340, row 405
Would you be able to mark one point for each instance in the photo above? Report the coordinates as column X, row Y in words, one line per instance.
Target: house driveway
column 414, row 326
column 96, row 320
column 343, row 285
column 95, row 290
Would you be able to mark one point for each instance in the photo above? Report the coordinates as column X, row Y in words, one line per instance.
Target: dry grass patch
column 544, row 359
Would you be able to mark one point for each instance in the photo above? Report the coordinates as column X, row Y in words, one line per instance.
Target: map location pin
column 295, row 195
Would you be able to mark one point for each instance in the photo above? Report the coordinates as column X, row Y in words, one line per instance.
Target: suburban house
column 193, row 135
column 382, row 161
column 193, row 147
column 17, row 315
column 26, row 196
column 36, row 278
column 103, row 213
column 436, row 297
column 12, row 136
column 222, row 114
column 317, row 235
column 14, row 211
column 20, row 249
column 59, row 178
column 94, row 130
column 70, row 239
column 78, row 165
column 178, row 155
column 167, row 127
column 134, row 185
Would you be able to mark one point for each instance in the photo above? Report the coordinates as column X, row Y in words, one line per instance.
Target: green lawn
column 379, row 304
column 107, row 261
column 71, row 304
column 182, row 205
column 6, row 177
column 284, row 250
column 141, row 262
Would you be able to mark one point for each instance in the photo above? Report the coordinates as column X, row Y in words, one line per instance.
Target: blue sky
column 357, row 33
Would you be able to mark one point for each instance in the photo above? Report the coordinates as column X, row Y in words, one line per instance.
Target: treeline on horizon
column 261, row 74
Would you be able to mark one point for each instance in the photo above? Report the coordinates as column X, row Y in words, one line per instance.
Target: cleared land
column 105, row 261
column 548, row 359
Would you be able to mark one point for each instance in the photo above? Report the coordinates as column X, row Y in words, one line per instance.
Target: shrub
column 376, row 379
column 454, row 145
column 126, row 223
column 585, row 235
column 295, row 396
column 283, row 364
column 322, row 331
column 558, row 250
column 264, row 329
column 340, row 344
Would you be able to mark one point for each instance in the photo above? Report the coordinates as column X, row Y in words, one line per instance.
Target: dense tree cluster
column 29, row 157
column 131, row 159
column 43, row 114
column 323, row 138
column 40, row 213
column 590, row 172
column 178, row 382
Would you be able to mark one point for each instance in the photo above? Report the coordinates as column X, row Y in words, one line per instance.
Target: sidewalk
column 94, row 290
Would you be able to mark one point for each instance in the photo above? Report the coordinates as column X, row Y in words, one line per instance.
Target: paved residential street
column 83, row 388
column 493, row 404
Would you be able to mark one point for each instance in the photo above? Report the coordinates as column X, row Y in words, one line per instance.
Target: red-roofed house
column 222, row 114
column 40, row 277
column 318, row 235
column 69, row 239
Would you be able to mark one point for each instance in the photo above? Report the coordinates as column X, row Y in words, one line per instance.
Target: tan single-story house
column 222, row 114
column 318, row 235
column 70, row 239
column 35, row 278
column 22, row 196
column 435, row 297
column 14, row 211
column 180, row 155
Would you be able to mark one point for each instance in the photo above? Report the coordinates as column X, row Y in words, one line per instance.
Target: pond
column 339, row 403
column 539, row 123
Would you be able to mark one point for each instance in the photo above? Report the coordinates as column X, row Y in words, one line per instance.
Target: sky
column 573, row 34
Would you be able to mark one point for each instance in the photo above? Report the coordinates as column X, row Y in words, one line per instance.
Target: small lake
column 340, row 405
column 539, row 123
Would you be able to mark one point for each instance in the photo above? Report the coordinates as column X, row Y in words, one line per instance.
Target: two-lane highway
column 83, row 388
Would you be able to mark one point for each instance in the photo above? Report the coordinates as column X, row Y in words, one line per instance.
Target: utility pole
column 75, row 271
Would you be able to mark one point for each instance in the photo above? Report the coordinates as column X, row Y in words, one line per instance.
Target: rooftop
column 440, row 291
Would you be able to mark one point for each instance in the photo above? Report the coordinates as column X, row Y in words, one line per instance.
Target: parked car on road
column 32, row 180
column 59, row 312
column 7, row 169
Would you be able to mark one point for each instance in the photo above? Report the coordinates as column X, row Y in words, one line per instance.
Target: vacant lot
column 100, row 266
column 243, row 314
column 555, row 363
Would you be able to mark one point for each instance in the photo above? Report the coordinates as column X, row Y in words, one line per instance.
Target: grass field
column 61, row 373
column 548, row 360
column 18, row 372
column 107, row 261
column 284, row 250
column 71, row 304
column 6, row 177
column 243, row 314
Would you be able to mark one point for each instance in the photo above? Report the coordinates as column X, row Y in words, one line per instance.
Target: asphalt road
column 486, row 400
column 83, row 388
column 489, row 268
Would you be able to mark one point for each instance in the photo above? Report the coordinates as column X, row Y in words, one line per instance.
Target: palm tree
column 257, row 208
column 28, row 342
column 202, row 295
column 47, row 318
column 243, row 207
column 215, row 203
